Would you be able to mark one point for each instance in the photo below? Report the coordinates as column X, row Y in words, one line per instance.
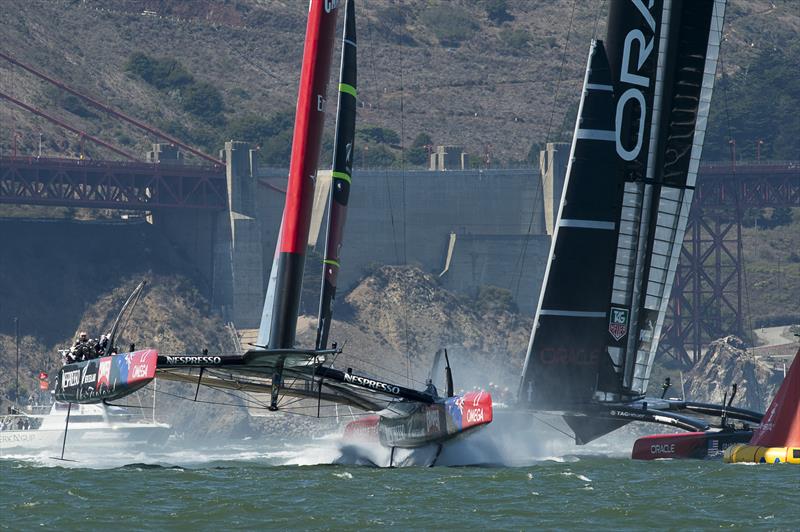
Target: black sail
column 629, row 185
column 341, row 175
column 562, row 364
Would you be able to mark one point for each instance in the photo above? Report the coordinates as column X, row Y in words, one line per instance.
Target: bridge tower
column 225, row 244
column 708, row 296
column 238, row 286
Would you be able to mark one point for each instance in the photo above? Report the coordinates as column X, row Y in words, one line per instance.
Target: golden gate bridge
column 708, row 294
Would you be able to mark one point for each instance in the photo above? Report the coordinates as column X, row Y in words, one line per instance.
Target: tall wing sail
column 561, row 367
column 342, row 173
column 627, row 194
column 658, row 195
column 279, row 318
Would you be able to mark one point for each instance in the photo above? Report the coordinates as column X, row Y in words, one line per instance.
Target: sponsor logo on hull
column 372, row 384
column 192, row 361
column 71, row 378
column 109, row 377
column 330, row 5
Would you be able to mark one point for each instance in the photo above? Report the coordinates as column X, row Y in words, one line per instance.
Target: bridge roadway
column 774, row 184
column 150, row 186
column 111, row 184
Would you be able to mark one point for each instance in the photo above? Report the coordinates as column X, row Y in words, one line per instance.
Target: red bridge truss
column 115, row 185
column 707, row 296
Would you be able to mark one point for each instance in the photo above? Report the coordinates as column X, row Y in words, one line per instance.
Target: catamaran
column 630, row 180
column 395, row 415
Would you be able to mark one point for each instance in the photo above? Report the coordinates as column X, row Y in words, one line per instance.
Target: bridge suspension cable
column 63, row 124
column 111, row 111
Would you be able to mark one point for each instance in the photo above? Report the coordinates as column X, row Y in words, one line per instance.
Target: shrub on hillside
column 493, row 299
column 515, row 42
column 257, row 128
column 760, row 217
column 74, row 105
column 497, row 11
column 273, row 134
column 277, row 149
column 68, row 102
column 757, row 103
column 374, row 156
column 379, row 135
column 450, row 24
column 392, row 15
column 198, row 98
column 418, row 153
column 422, row 140
column 161, row 73
column 203, row 100
column 417, row 156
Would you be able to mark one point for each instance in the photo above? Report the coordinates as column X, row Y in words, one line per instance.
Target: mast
column 341, row 175
column 279, row 319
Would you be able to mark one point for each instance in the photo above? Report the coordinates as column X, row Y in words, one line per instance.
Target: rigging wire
column 382, row 368
column 233, row 49
column 739, row 244
column 390, row 202
column 292, row 412
column 540, row 420
column 524, row 252
column 560, row 72
column 405, row 213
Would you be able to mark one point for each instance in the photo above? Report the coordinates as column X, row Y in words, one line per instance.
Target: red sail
column 781, row 424
column 279, row 320
column 308, row 123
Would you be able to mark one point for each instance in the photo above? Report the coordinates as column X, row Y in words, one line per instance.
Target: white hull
column 16, row 441
column 91, row 428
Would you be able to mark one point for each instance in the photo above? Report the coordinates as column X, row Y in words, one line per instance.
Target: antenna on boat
column 448, row 373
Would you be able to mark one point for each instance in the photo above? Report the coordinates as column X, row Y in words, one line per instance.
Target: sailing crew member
column 81, row 350
column 102, row 345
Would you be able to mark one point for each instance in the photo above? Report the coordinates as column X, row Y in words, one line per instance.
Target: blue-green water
column 248, row 491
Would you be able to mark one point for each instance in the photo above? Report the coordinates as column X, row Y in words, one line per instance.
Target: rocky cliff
column 727, row 361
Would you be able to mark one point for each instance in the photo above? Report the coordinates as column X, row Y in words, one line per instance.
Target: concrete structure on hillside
column 448, row 158
column 471, row 228
column 227, row 245
column 238, row 242
column 489, row 223
column 165, row 154
column 553, row 169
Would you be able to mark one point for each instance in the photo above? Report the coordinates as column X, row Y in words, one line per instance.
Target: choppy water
column 249, row 488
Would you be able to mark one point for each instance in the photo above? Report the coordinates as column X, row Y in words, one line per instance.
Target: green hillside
column 486, row 75
column 772, row 268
